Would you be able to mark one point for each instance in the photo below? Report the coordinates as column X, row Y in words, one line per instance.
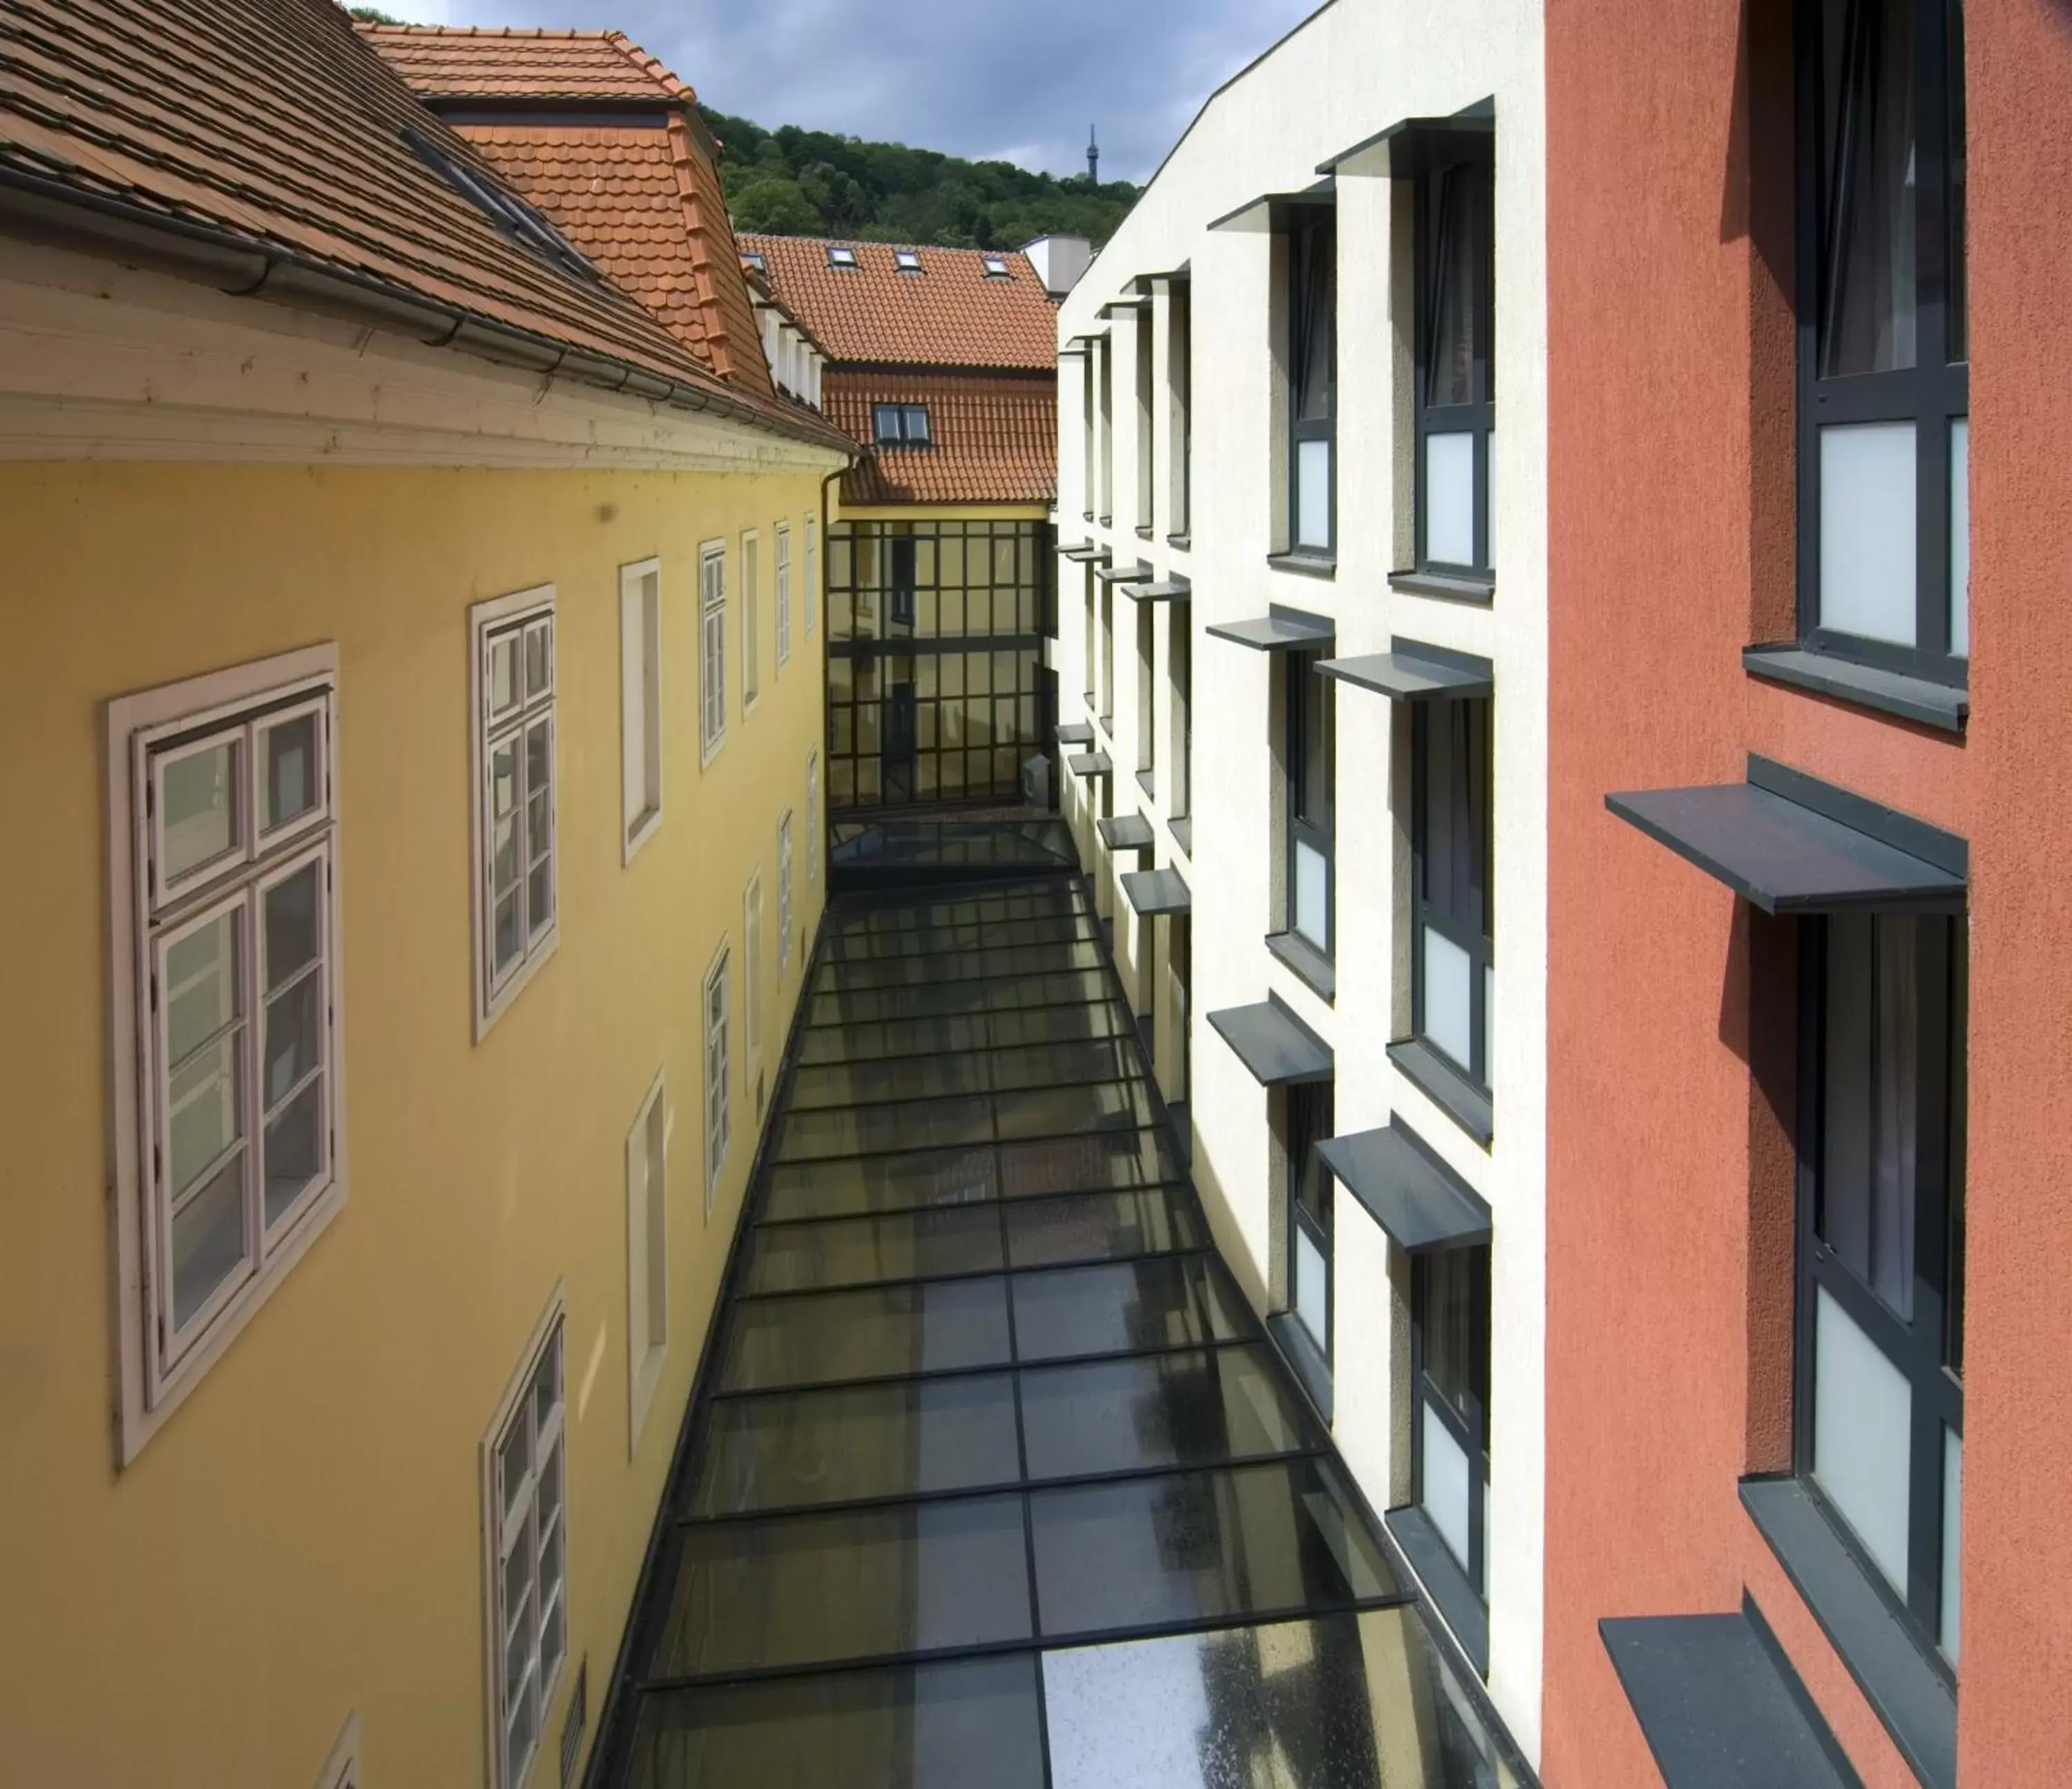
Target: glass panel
column 1095, row 1159
column 1453, row 1292
column 1867, row 132
column 517, row 1585
column 1160, row 1410
column 932, row 1726
column 198, row 808
column 204, row 1116
column 1336, row 1701
column 503, row 673
column 1872, row 1113
column 201, row 991
column 550, row 1484
column 801, row 1590
column 868, row 1440
column 1443, row 1494
column 1449, row 977
column 1162, row 1302
column 1960, row 538
column 1862, row 1417
column 288, row 771
column 1311, row 895
column 1067, row 1111
column 294, row 1149
column 1091, row 1226
column 796, row 1257
column 1199, row 1545
column 1312, row 494
column 293, row 1022
column 1456, row 228
column 514, row 1460
column 881, row 1184
column 858, row 1130
column 291, row 924
column 1312, row 1290
column 1960, row 308
column 878, row 1332
column 208, row 1239
column 869, row 1083
column 1952, row 1525
column 1867, row 530
column 539, row 658
column 1449, row 499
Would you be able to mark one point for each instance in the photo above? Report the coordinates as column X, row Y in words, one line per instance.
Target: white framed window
column 717, row 1112
column 784, row 892
column 751, row 619
column 751, row 970
column 516, row 888
column 647, row 1254
column 524, row 1486
column 640, row 699
column 813, row 575
column 712, row 648
column 229, row 1095
column 784, row 595
column 341, row 1770
column 812, row 817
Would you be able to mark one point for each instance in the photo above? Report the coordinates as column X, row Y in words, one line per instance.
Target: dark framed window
column 1310, row 1119
column 1884, row 382
column 1455, row 405
column 1179, row 373
column 901, row 578
column 1313, row 369
column 901, row 425
column 1879, row 1411
column 1449, row 1375
column 1180, row 676
column 1452, row 957
column 1312, row 792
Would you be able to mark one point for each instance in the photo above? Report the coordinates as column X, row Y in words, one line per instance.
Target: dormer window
column 902, row 425
column 907, row 261
column 840, row 256
column 996, row 269
column 756, row 261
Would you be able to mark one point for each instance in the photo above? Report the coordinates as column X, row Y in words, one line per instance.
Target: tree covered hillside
column 809, row 183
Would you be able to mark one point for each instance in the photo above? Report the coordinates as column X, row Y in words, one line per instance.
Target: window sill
column 1309, row 1367
column 1181, row 827
column 1148, row 784
column 1446, row 1087
column 1311, row 966
column 1939, row 706
column 1184, row 542
column 1144, row 531
column 1309, row 564
column 1444, row 1580
column 1433, row 583
column 1905, row 1692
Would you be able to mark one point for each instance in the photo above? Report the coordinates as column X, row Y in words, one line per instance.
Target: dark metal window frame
column 1478, row 941
column 909, row 425
column 1307, row 225
column 1436, row 216
column 1318, row 833
column 1472, row 1431
column 1919, row 1348
column 1932, row 393
column 1306, row 1116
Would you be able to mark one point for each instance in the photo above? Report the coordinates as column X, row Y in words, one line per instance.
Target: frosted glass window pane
column 1447, row 972
column 1449, row 499
column 1312, row 494
column 1862, row 1414
column 1313, row 1287
column 1960, row 538
column 1953, row 1511
column 1867, row 512
column 1312, row 905
column 1445, row 1498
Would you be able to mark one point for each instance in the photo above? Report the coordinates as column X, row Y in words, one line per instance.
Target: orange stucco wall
column 1671, row 548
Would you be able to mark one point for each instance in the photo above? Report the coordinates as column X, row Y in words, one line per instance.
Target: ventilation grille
column 571, row 1727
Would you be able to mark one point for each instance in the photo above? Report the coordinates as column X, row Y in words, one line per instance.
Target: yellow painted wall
column 303, row 1536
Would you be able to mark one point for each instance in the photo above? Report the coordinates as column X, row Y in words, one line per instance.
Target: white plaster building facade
column 1278, row 388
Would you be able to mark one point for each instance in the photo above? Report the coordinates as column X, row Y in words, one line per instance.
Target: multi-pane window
column 528, row 1520
column 900, row 424
column 1455, row 409
column 646, row 1253
column 784, row 595
column 784, row 892
column 812, row 817
column 1309, row 1211
column 1881, row 1252
column 1452, row 975
column 751, row 969
column 718, row 1112
column 1884, row 336
column 517, row 897
column 712, row 646
column 751, row 620
column 230, row 947
column 640, row 699
column 1312, row 383
column 1449, row 1370
column 812, row 574
column 1309, row 755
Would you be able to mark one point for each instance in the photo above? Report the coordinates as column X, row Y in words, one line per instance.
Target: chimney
column 1059, row 261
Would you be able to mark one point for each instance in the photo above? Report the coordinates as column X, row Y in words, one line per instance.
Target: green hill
column 810, row 182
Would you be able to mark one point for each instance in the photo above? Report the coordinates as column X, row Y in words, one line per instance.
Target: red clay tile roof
column 949, row 315
column 441, row 62
column 994, row 439
column 268, row 126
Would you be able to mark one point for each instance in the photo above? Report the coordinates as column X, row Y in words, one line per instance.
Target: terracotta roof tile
column 992, row 439
column 449, row 62
column 949, row 315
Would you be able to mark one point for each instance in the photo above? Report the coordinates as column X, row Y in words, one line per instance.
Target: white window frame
column 812, row 817
column 783, row 533
column 784, row 890
column 751, row 974
column 341, row 1770
column 812, row 576
column 530, row 615
column 640, row 700
column 646, row 1255
column 545, row 1355
column 751, row 620
column 714, row 1016
column 157, row 1369
column 712, row 650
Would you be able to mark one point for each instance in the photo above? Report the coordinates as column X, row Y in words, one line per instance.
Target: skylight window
column 840, row 256
column 902, row 425
column 996, row 269
column 512, row 215
column 907, row 261
column 756, row 261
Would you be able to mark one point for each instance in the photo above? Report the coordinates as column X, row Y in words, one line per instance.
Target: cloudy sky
column 1018, row 80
